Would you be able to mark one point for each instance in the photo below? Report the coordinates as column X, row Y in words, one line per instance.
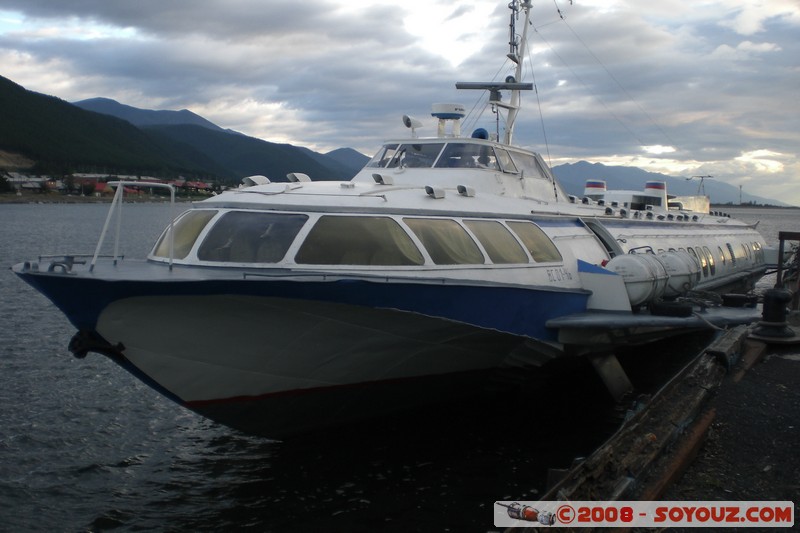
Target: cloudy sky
column 708, row 87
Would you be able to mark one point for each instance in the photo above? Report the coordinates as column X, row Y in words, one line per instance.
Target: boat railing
column 116, row 204
column 788, row 266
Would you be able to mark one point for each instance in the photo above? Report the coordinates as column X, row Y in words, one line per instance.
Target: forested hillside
column 60, row 138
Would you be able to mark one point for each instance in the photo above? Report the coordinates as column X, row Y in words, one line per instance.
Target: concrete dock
column 752, row 450
column 726, row 429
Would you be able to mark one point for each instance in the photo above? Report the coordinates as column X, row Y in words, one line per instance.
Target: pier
column 725, row 427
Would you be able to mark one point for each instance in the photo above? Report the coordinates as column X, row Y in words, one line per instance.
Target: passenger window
column 446, row 241
column 703, row 261
column 722, row 255
column 758, row 258
column 498, row 242
column 187, row 227
column 251, row 237
column 700, row 262
column 538, row 243
column 348, row 240
column 711, row 266
column 730, row 250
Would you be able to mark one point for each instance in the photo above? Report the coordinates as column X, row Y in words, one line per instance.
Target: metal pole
column 117, row 195
column 779, row 278
column 119, row 223
column 118, row 199
column 171, row 225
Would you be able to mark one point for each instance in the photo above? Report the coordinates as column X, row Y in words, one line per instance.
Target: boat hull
column 274, row 367
column 278, row 357
column 299, row 413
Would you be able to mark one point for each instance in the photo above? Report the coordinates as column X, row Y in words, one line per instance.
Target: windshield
column 410, row 155
column 462, row 155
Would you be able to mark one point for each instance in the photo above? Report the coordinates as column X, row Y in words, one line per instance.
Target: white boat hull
column 217, row 354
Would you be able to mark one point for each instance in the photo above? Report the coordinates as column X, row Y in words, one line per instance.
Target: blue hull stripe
column 515, row 310
column 589, row 268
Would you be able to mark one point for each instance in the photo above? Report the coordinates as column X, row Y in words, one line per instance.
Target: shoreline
column 751, row 206
column 11, row 198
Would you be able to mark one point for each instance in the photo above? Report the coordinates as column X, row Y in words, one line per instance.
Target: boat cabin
column 237, row 237
column 510, row 171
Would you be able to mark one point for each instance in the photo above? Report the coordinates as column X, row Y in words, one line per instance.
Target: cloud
column 751, row 17
column 744, row 51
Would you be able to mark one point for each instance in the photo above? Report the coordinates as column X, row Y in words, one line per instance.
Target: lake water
column 85, row 446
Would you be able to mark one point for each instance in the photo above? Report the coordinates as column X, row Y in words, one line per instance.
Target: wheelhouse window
column 384, row 155
column 538, row 243
column 505, row 162
column 251, row 237
column 526, row 164
column 187, row 228
column 465, row 155
column 498, row 242
column 358, row 240
column 446, row 241
column 412, row 155
column 639, row 202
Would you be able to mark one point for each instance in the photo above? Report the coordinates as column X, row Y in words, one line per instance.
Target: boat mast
column 517, row 50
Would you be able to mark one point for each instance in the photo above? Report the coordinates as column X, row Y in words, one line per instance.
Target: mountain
column 246, row 156
column 60, row 137
column 239, row 154
column 349, row 157
column 144, row 117
column 573, row 176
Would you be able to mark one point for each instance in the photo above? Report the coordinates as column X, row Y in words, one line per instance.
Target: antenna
column 702, row 185
column 516, row 54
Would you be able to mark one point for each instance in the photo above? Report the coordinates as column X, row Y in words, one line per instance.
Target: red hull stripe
column 315, row 390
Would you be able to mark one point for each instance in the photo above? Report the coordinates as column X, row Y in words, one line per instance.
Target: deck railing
column 116, row 204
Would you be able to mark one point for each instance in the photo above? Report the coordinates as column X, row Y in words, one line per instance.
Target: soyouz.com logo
column 644, row 514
